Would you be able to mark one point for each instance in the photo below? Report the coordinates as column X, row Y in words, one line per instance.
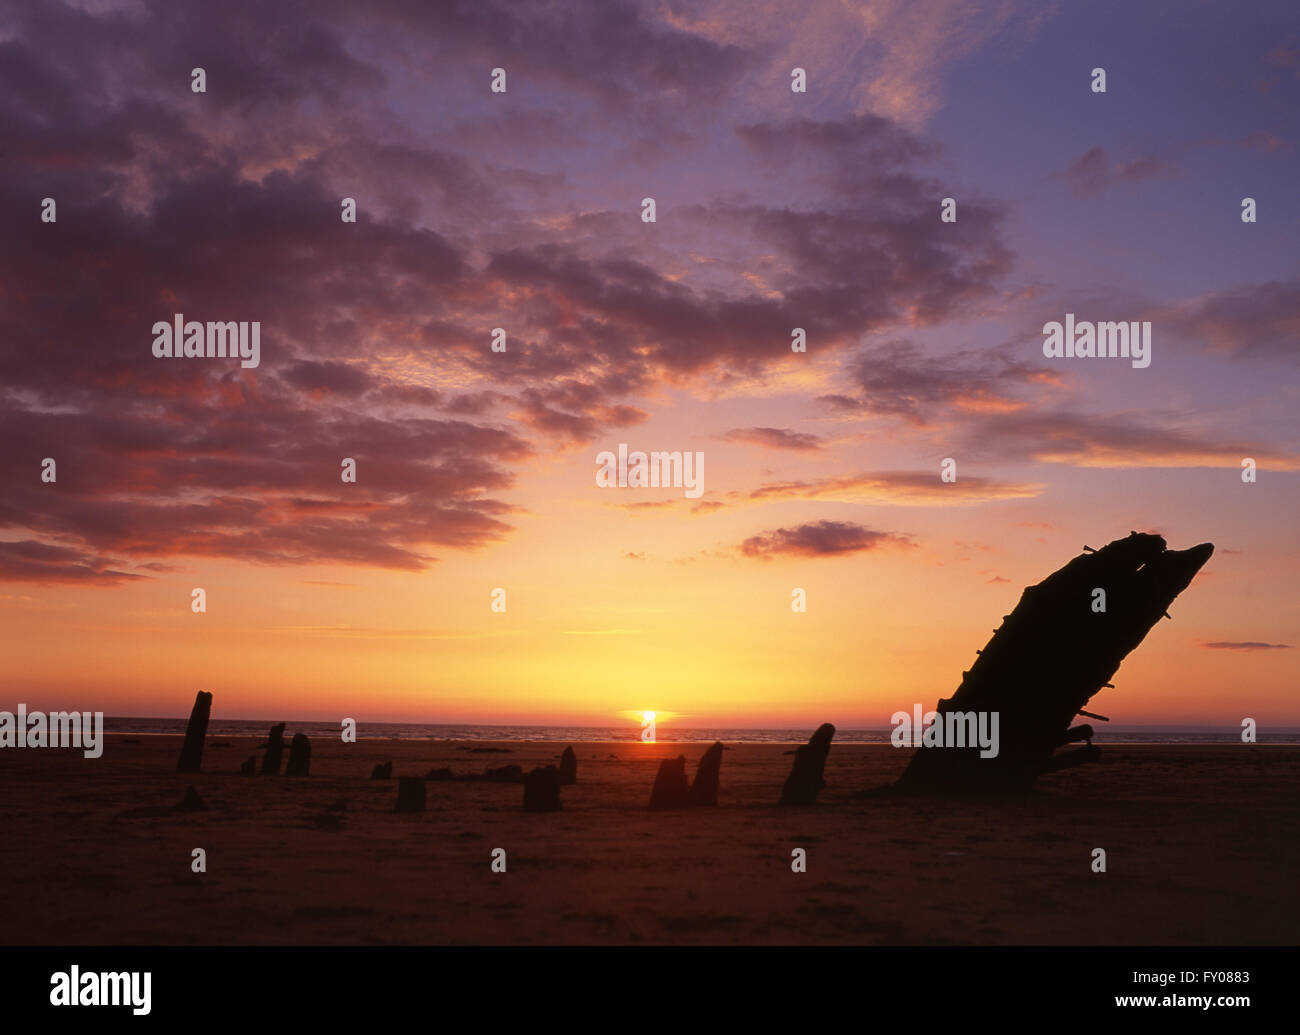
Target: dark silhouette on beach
column 1051, row 655
column 299, row 756
column 805, row 781
column 671, row 791
column 274, row 750
column 195, row 730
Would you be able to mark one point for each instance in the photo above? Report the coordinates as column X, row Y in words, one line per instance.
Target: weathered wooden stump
column 806, row 775
column 671, row 790
column 195, row 730
column 568, row 767
column 704, row 791
column 274, row 749
column 299, row 756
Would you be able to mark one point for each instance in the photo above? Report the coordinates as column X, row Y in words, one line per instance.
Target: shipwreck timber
column 1051, row 655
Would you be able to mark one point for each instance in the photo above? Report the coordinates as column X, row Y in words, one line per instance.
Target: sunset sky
column 522, row 210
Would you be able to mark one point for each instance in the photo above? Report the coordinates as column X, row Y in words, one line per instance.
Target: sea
column 665, row 732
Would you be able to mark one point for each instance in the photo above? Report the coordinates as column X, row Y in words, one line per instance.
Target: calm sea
column 666, row 733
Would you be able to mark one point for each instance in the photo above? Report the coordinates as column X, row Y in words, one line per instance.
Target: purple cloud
column 820, row 539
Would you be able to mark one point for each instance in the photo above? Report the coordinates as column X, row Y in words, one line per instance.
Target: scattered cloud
column 820, row 539
column 904, row 488
column 1246, row 645
column 1093, row 172
column 1250, row 321
column 775, row 438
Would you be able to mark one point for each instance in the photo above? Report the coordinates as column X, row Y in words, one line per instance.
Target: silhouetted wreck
column 1059, row 647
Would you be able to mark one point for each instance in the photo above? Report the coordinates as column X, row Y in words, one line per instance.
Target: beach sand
column 1201, row 848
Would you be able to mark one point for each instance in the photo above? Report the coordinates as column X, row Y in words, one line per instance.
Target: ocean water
column 667, row 733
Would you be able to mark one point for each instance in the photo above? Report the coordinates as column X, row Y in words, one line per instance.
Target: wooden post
column 274, row 749
column 195, row 730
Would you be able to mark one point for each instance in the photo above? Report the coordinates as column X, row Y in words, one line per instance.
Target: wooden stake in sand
column 671, row 790
column 299, row 756
column 274, row 749
column 195, row 731
column 805, row 781
column 704, row 791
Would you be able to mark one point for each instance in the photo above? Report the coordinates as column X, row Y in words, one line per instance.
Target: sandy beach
column 1201, row 847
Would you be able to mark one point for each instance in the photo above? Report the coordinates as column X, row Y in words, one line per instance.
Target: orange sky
column 689, row 625
column 776, row 209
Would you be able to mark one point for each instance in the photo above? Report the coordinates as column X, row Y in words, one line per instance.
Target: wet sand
column 1201, row 844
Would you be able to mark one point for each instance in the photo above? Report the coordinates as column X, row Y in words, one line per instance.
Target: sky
column 523, row 210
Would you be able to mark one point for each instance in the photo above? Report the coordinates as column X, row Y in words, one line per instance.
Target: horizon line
column 1171, row 727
